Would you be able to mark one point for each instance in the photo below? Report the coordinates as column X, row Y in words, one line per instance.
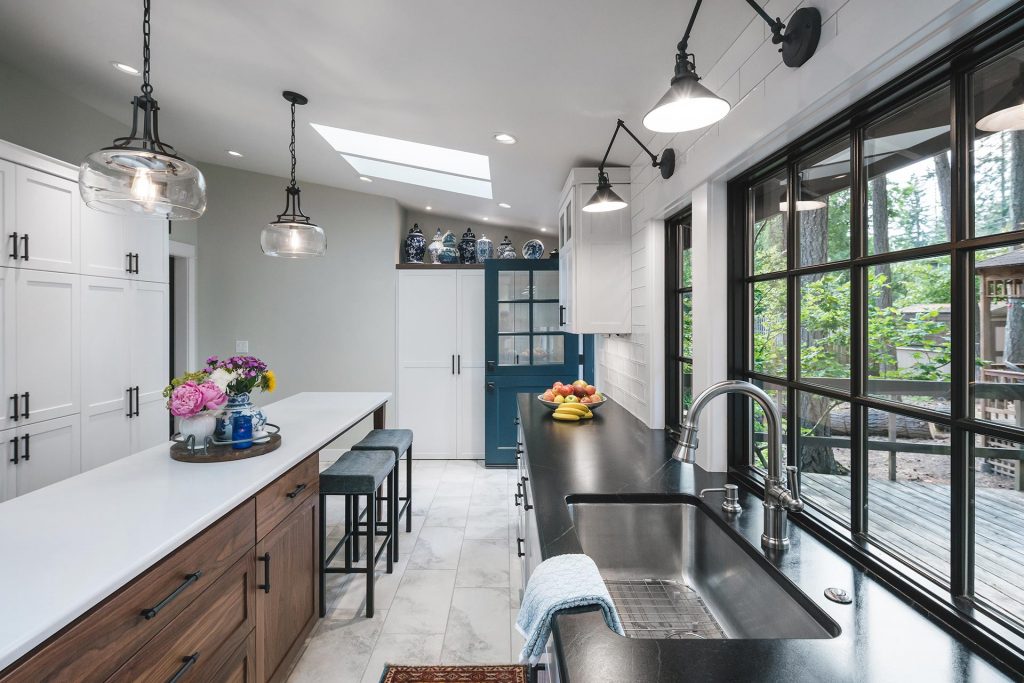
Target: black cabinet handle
column 453, row 363
column 297, row 490
column 186, row 664
column 519, row 547
column 16, row 415
column 526, row 501
column 136, row 271
column 519, row 493
column 136, row 401
column 25, row 410
column 491, row 386
column 24, row 242
column 14, row 239
column 459, row 364
column 561, row 315
column 25, row 439
column 265, row 559
column 129, row 413
column 14, row 442
column 155, row 610
column 128, row 267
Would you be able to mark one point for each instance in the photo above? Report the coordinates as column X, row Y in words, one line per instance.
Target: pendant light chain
column 291, row 147
column 147, row 88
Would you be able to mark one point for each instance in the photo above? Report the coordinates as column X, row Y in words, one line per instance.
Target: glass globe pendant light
column 139, row 171
column 293, row 234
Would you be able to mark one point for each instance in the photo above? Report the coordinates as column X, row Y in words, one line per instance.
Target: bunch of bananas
column 572, row 412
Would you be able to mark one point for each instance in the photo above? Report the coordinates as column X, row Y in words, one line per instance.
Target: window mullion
column 858, row 336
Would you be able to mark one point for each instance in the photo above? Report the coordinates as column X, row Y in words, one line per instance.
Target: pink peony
column 187, row 400
column 213, row 397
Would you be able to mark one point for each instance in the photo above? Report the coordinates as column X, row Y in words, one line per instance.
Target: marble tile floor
column 453, row 596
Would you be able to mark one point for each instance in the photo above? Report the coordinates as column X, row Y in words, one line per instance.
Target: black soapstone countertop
column 883, row 637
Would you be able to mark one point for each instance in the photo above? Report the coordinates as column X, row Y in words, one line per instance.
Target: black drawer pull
column 561, row 315
column 265, row 559
column 25, row 438
column 24, row 410
column 129, row 413
column 17, row 411
column 155, row 610
column 136, row 390
column 24, row 242
column 297, row 490
column 519, row 547
column 14, row 442
column 14, row 254
column 128, row 268
column 186, row 664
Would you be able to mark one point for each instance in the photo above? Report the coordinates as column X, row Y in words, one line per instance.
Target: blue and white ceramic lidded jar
column 467, row 247
column 449, row 250
column 533, row 249
column 505, row 249
column 415, row 245
column 484, row 249
column 435, row 248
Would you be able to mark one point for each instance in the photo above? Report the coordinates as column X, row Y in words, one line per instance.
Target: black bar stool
column 355, row 474
column 399, row 442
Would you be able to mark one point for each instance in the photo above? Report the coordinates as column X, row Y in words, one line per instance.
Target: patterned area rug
column 506, row 673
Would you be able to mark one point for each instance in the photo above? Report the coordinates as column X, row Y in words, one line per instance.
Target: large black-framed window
column 678, row 319
column 877, row 292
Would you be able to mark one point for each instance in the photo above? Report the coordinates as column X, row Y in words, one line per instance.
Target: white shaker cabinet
column 595, row 257
column 440, row 361
column 150, row 372
column 8, row 379
column 40, row 454
column 47, row 211
column 116, row 243
column 12, row 240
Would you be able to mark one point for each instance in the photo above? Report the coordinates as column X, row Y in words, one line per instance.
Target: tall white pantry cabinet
column 440, row 351
column 84, row 327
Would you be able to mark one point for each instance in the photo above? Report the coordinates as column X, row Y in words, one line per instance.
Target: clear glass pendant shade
column 293, row 240
column 145, row 182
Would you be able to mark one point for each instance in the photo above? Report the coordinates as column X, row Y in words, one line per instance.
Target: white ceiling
column 556, row 74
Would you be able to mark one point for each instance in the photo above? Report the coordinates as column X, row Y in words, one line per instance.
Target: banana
column 566, row 417
column 577, row 408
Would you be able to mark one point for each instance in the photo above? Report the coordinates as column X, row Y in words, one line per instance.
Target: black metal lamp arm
column 667, row 162
column 775, row 25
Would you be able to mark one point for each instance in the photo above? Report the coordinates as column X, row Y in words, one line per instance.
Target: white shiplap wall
column 864, row 43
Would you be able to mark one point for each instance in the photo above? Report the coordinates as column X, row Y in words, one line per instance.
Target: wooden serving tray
column 226, row 453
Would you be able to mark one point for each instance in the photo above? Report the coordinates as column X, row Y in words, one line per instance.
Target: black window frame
column 954, row 606
column 678, row 238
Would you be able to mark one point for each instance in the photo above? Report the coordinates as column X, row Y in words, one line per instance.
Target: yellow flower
column 271, row 380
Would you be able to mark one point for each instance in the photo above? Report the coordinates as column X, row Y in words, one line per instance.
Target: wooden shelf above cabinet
column 439, row 266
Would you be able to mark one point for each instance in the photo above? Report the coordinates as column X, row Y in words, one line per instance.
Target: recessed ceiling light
column 486, row 218
column 504, row 205
column 125, row 68
column 234, row 153
column 543, row 229
column 420, row 176
column 365, row 179
column 505, row 138
column 429, row 208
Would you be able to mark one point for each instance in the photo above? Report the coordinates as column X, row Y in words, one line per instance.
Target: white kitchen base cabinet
column 41, row 454
column 441, row 361
column 595, row 265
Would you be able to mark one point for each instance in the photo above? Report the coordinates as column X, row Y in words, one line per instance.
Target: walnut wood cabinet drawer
column 103, row 639
column 201, row 640
column 240, row 665
column 280, row 498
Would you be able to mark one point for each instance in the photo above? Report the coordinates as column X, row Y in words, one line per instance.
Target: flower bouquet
column 196, row 402
column 239, row 377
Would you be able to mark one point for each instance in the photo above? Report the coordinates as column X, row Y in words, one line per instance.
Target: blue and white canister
column 415, row 245
column 435, row 248
column 484, row 249
column 533, row 249
column 467, row 247
column 449, row 250
column 506, row 250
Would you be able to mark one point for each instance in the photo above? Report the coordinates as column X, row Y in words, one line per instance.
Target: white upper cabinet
column 150, row 372
column 105, row 250
column 47, row 213
column 12, row 240
column 469, row 365
column 148, row 243
column 595, row 257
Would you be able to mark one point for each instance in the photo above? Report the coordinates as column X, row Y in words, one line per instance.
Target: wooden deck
column 914, row 518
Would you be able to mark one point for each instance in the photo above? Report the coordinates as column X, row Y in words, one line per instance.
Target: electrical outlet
column 241, row 346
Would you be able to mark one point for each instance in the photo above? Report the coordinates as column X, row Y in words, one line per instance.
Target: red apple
column 585, row 400
column 548, row 395
column 565, row 390
column 579, row 391
column 556, row 385
column 591, row 390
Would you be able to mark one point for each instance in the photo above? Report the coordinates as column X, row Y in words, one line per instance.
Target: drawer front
column 240, row 665
column 200, row 640
column 94, row 646
column 288, row 491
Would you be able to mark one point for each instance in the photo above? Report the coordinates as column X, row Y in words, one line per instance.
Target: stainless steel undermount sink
column 674, row 571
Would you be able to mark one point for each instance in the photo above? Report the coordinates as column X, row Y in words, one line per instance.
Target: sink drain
column 838, row 595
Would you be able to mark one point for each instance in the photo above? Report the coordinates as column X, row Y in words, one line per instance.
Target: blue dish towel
column 562, row 582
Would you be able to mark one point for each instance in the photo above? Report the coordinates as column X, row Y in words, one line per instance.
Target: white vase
column 200, row 426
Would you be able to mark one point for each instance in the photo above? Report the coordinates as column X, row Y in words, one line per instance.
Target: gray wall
column 430, row 222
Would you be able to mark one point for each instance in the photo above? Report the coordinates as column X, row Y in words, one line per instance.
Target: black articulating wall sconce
column 688, row 105
column 605, row 198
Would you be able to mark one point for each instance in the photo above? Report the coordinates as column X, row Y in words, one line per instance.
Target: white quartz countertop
column 66, row 547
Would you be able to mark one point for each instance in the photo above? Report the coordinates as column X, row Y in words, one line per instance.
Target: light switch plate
column 241, row 346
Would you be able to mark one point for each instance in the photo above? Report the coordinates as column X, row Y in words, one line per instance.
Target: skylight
column 420, row 176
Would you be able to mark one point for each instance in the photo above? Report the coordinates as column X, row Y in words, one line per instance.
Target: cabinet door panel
column 426, row 405
column 427, row 318
column 287, row 610
column 7, row 214
column 8, row 337
column 48, row 211
column 148, row 238
column 104, row 244
column 8, row 438
column 471, row 418
column 47, row 341
column 106, row 370
column 150, row 360
column 54, row 454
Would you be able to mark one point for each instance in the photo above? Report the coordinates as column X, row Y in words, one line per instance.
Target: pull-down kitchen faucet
column 781, row 493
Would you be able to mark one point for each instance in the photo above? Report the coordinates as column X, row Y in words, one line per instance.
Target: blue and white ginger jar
column 484, row 249
column 506, row 250
column 449, row 250
column 467, row 247
column 415, row 245
column 435, row 248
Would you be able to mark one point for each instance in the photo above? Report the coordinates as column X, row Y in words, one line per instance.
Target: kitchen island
column 87, row 544
column 881, row 637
